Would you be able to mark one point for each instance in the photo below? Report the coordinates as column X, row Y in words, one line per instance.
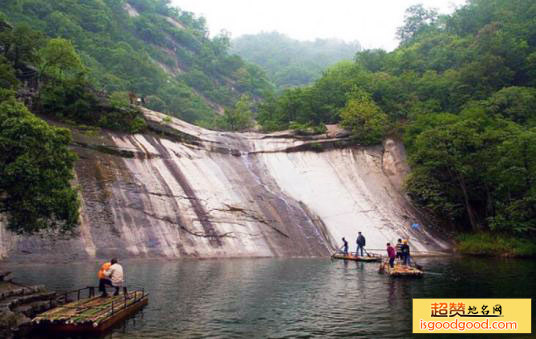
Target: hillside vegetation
column 149, row 48
column 48, row 77
column 289, row 62
column 36, row 165
column 460, row 90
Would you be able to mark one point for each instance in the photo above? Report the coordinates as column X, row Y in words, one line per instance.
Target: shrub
column 119, row 99
column 499, row 245
column 137, row 125
column 365, row 120
column 308, row 128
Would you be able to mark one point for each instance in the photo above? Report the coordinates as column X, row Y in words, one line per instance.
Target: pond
column 284, row 298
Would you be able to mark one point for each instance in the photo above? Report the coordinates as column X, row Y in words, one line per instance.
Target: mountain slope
column 289, row 62
column 147, row 47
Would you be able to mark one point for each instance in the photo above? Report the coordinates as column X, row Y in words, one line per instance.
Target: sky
column 371, row 22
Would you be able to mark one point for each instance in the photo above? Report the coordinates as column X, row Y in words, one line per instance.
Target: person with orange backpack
column 111, row 274
column 103, row 280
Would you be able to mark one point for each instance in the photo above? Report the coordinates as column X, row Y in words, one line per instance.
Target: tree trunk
column 528, row 178
column 470, row 213
column 490, row 206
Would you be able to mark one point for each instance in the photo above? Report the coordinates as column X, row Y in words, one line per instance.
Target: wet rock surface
column 183, row 191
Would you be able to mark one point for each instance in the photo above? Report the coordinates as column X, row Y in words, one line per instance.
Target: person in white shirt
column 115, row 274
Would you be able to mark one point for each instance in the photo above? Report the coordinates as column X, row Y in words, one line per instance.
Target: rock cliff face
column 182, row 191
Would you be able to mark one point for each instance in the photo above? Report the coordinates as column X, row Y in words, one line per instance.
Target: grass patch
column 91, row 131
column 498, row 245
column 308, row 129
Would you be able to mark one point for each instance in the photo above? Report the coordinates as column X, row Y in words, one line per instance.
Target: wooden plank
column 89, row 328
column 91, row 310
column 91, row 315
column 358, row 258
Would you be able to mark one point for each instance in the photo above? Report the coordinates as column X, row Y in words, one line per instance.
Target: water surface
column 283, row 298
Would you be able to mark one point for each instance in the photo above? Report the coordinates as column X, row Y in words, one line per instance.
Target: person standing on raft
column 360, row 244
column 345, row 246
column 405, row 252
column 113, row 276
column 399, row 249
column 391, row 254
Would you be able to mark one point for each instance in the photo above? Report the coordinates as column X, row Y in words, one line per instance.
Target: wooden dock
column 92, row 314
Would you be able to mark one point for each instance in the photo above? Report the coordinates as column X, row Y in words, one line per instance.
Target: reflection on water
column 282, row 298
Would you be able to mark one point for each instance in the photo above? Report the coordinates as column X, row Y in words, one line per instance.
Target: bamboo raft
column 352, row 256
column 92, row 314
column 400, row 270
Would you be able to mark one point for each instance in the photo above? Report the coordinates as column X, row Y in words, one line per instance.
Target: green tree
column 512, row 174
column 20, row 45
column 373, row 60
column 456, row 153
column 443, row 160
column 59, row 59
column 416, row 21
column 119, row 100
column 8, row 78
column 365, row 120
column 36, row 168
column 240, row 117
column 515, row 103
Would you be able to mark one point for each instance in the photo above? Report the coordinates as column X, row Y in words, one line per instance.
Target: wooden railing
column 116, row 305
column 64, row 297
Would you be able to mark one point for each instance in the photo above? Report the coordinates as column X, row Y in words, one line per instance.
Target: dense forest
column 289, row 62
column 149, row 48
column 460, row 91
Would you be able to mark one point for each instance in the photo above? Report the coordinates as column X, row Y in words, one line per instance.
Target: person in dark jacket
column 399, row 249
column 391, row 254
column 360, row 244
column 405, row 252
column 345, row 246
